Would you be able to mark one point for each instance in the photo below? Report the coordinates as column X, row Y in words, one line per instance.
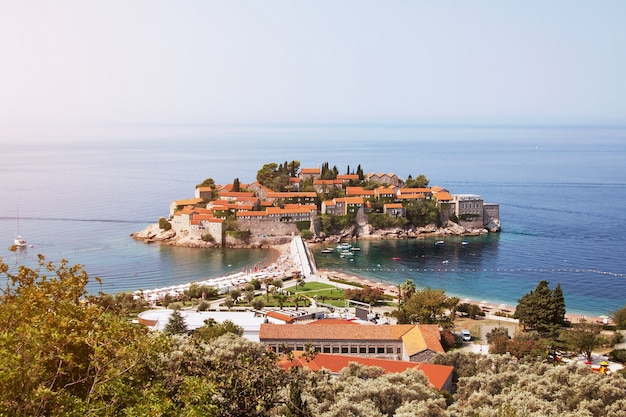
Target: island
column 319, row 204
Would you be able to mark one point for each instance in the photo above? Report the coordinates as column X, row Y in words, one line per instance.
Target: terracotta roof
column 280, row 316
column 416, row 338
column 351, row 191
column 291, row 194
column 415, row 190
column 310, row 171
column 188, row 201
column 347, row 177
column 236, row 194
column 393, row 205
column 353, row 200
column 423, row 337
column 334, row 332
column 437, row 375
column 330, row 321
column 443, row 196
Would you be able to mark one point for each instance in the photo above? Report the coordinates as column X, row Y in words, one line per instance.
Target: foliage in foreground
column 63, row 353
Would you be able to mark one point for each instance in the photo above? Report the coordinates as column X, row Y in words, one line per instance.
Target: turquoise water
column 561, row 191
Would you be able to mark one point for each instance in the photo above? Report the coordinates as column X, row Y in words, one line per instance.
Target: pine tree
column 176, row 324
column 542, row 309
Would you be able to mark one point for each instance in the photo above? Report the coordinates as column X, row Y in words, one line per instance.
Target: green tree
column 258, row 304
column 61, row 352
column 619, row 318
column 425, row 306
column 281, row 299
column 236, row 185
column 406, row 290
column 419, row 182
column 211, row 184
column 422, row 213
column 212, row 329
column 542, row 309
column 176, row 323
column 583, row 338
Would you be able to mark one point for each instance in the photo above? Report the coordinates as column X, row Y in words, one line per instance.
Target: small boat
column 356, row 248
column 328, row 250
column 439, row 242
column 344, row 246
column 395, row 258
column 346, row 253
column 465, row 242
column 19, row 241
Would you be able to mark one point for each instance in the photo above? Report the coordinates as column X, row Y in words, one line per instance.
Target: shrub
column 618, row 355
column 207, row 238
column 164, row 224
column 306, row 234
column 204, row 305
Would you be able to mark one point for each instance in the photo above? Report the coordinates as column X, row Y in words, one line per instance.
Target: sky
column 118, row 62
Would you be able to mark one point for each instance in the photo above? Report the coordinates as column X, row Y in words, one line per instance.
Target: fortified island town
column 320, row 206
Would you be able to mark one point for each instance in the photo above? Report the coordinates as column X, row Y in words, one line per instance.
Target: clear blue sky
column 323, row 61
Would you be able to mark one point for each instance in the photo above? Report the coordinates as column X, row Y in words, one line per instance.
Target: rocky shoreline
column 154, row 234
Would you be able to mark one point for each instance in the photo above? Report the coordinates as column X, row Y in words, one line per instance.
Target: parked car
column 466, row 335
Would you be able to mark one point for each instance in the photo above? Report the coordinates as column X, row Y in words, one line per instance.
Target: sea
column 78, row 193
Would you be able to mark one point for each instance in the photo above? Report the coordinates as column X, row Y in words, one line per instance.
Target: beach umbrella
column 604, row 363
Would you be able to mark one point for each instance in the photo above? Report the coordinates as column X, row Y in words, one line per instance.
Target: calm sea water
column 81, row 192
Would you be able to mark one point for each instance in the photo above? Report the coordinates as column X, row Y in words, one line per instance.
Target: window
column 326, row 349
column 371, row 349
column 353, row 349
column 380, row 350
column 362, row 349
column 335, row 349
column 344, row 349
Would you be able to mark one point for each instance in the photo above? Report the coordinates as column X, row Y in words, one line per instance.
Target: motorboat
column 439, row 242
column 344, row 246
column 328, row 250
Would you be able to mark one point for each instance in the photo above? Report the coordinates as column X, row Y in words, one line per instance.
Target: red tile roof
column 437, row 375
column 310, row 171
column 280, row 316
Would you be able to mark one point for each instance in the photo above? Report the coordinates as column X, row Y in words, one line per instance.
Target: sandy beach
column 489, row 307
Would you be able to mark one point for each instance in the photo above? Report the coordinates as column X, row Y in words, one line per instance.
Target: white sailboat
column 19, row 240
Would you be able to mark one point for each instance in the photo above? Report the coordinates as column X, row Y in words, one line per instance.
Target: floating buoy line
column 513, row 270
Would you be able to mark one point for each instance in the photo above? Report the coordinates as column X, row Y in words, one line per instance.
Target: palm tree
column 406, row 290
column 280, row 298
column 297, row 298
column 452, row 303
column 267, row 282
column 299, row 281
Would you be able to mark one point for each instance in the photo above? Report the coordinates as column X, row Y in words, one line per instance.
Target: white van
column 466, row 335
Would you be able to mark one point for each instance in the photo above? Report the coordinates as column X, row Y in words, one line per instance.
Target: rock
column 493, row 225
column 154, row 233
column 454, row 228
